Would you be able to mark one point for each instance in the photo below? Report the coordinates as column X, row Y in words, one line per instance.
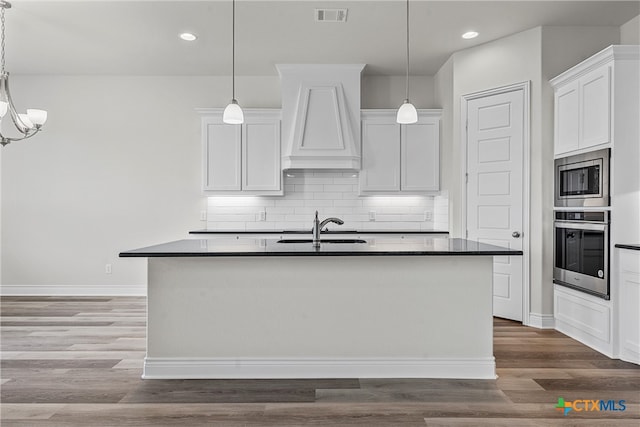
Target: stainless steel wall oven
column 581, row 251
column 582, row 180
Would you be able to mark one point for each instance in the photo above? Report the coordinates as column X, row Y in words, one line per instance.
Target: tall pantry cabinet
column 597, row 106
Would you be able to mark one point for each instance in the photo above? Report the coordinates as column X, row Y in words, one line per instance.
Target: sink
column 322, row 241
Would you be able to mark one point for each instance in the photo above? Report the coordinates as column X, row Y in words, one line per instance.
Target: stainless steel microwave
column 582, row 180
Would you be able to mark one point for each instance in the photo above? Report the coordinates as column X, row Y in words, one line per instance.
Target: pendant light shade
column 233, row 114
column 407, row 113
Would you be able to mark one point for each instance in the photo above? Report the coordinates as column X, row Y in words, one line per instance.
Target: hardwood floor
column 77, row 362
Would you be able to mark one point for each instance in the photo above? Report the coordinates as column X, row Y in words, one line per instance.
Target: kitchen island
column 257, row 308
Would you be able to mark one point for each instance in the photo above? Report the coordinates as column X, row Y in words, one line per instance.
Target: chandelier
column 27, row 124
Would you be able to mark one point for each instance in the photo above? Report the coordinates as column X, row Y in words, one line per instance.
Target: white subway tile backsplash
column 290, row 225
column 338, row 188
column 319, row 203
column 327, row 196
column 348, row 203
column 289, row 202
column 299, row 188
column 232, row 218
column 331, row 193
column 240, row 201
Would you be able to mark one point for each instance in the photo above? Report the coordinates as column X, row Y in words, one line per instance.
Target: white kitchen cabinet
column 420, row 150
column 222, row 157
column 595, row 112
column 242, row 159
column 400, row 158
column 380, row 155
column 629, row 317
column 586, row 100
column 261, row 155
column 567, row 118
column 585, row 318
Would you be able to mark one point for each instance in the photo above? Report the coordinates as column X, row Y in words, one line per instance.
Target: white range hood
column 320, row 116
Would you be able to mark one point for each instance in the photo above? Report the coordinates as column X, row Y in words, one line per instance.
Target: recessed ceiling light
column 188, row 37
column 470, row 35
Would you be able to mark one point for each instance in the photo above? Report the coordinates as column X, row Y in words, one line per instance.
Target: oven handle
column 596, row 226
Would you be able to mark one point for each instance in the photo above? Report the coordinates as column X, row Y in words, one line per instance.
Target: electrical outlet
column 428, row 215
column 203, row 215
column 107, row 269
column 263, row 215
column 372, row 216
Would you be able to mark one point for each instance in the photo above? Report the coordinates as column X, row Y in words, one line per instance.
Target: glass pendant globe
column 37, row 117
column 233, row 114
column 407, row 113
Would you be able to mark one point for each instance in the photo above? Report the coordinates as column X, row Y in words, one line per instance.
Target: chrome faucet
column 317, row 228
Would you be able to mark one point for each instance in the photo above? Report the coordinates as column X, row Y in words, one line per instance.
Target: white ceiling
column 141, row 37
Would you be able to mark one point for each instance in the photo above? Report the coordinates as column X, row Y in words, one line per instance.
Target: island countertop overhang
column 428, row 246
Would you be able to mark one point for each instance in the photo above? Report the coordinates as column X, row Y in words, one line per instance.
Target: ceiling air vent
column 331, row 15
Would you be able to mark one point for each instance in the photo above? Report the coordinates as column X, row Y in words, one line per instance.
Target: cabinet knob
column 515, row 234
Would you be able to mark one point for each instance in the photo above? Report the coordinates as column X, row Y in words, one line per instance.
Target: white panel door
column 223, row 152
column 380, row 156
column 421, row 157
column 567, row 119
column 261, row 156
column 594, row 108
column 495, row 138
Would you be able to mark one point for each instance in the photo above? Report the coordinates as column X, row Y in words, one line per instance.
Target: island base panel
column 313, row 317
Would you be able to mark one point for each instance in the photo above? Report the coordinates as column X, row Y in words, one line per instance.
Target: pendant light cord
column 233, row 50
column 407, row 80
column 2, row 29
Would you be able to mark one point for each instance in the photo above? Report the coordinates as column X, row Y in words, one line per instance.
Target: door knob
column 515, row 234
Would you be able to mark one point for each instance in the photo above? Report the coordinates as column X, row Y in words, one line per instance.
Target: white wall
column 390, row 91
column 630, row 31
column 117, row 167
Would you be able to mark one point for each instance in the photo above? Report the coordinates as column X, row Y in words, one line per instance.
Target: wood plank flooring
column 78, row 361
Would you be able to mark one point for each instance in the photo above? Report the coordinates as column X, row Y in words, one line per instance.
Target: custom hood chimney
column 320, row 116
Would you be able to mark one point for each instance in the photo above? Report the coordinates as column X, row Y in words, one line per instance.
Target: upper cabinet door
column 222, row 157
column 380, row 156
column 261, row 156
column 567, row 118
column 242, row 159
column 400, row 159
column 420, row 149
column 595, row 107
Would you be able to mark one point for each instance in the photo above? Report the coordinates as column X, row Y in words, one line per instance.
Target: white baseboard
column 73, row 290
column 542, row 321
column 224, row 368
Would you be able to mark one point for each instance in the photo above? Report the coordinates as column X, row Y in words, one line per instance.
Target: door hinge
column 466, row 125
column 467, row 177
column 467, row 234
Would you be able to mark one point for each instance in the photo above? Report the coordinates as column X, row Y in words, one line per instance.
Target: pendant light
column 407, row 112
column 233, row 113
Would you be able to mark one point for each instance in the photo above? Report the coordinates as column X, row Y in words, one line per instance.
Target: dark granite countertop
column 335, row 231
column 425, row 246
column 632, row 246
